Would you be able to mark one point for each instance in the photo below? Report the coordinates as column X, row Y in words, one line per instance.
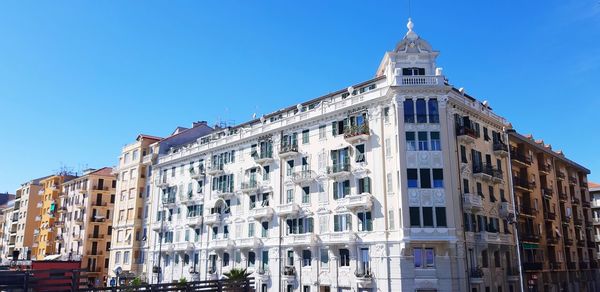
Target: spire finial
column 410, row 25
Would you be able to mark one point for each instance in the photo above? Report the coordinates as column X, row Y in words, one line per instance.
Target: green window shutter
column 369, row 221
column 310, row 225
column 335, row 190
column 334, row 130
column 348, row 222
column 367, row 185
column 336, row 223
column 346, row 188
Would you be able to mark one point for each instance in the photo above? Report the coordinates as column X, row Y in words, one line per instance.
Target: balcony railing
column 304, row 176
column 418, row 80
column 249, row 186
column 534, row 266
column 531, row 236
column 520, row 157
column 287, row 150
column 523, row 184
column 562, row 195
column 545, row 167
column 357, row 133
column 466, row 134
column 472, row 202
column 262, row 156
column 487, row 172
column 500, row 149
column 527, row 210
column 560, row 175
column 338, row 169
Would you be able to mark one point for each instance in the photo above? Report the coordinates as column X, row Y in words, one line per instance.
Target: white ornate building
column 358, row 190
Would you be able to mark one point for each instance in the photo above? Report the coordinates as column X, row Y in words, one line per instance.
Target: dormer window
column 413, row 71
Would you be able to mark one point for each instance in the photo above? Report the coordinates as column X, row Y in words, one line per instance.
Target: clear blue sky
column 79, row 79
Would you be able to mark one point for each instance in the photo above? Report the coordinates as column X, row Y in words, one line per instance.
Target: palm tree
column 236, row 274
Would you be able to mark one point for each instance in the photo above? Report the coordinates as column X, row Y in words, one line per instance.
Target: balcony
column 500, row 149
column 78, row 220
column 249, row 242
column 215, row 170
column 304, row 176
column 224, row 193
column 530, row 236
column 549, row 215
column 363, row 201
column 339, row 171
column 220, row 244
column 263, row 157
column 288, row 150
column 560, row 175
column 584, row 265
column 191, row 199
column 212, row 219
column 551, row 239
column 357, row 133
column 523, row 184
column 575, row 200
column 289, row 209
column 596, row 221
column 562, row 195
column 578, row 221
column 96, row 236
column 572, row 265
column 300, row 240
column 169, row 201
column 535, row 266
column 264, row 212
column 251, row 186
column 364, row 279
column 513, row 274
column 194, row 221
column 78, row 205
column 568, row 241
column 523, row 159
column 572, row 180
column 289, row 274
column 554, row 265
column 545, row 168
column 161, row 225
column 61, row 209
column 472, row 203
column 36, row 231
column 197, row 173
column 547, row 192
column 586, row 204
column 465, row 134
column 343, row 238
column 527, row 210
column 59, row 223
column 506, row 210
column 183, row 246
column 150, row 158
column 476, row 276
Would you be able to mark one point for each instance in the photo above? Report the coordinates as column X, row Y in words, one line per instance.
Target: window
column 486, row 136
column 360, row 153
column 306, row 258
column 412, row 178
column 423, row 141
column 118, row 257
column 434, row 115
column 463, row 154
column 427, row 216
column 265, row 259
column 411, row 143
column 415, row 216
column 344, row 257
column 322, row 132
column 364, row 185
column 341, row 189
column 265, row 229
column 386, row 115
column 290, row 257
column 225, row 259
column 409, row 111
column 421, row 111
column 425, row 178
column 413, row 71
column 266, row 172
column 290, row 167
column 251, row 229
column 305, row 136
column 290, row 196
column 305, row 195
column 438, row 178
column 424, row 258
column 251, row 259
column 436, row 145
column 440, row 216
column 365, row 222
column 324, row 257
column 342, row 222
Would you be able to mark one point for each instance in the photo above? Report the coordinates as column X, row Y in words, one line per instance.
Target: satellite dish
column 262, row 119
column 461, row 90
column 299, row 107
column 350, row 89
column 485, row 103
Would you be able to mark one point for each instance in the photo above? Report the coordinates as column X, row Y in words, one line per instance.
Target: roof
column 594, row 186
column 546, row 149
column 106, row 171
column 144, row 136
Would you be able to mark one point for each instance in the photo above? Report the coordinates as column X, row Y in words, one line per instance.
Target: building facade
column 363, row 189
column 554, row 218
column 45, row 232
column 23, row 222
column 84, row 227
column 131, row 199
column 6, row 212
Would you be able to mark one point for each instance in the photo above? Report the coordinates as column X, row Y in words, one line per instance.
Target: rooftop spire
column 411, row 35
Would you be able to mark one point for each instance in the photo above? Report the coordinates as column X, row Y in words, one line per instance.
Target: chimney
column 198, row 123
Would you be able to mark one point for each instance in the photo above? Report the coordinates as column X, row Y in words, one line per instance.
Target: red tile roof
column 593, row 185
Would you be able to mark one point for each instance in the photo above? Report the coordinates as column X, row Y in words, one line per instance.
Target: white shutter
column 321, row 160
column 323, row 224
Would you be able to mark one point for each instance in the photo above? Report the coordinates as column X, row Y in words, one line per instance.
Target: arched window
column 421, row 111
column 409, row 111
column 434, row 115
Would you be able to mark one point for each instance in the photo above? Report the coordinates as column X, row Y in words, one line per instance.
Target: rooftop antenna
column 409, row 10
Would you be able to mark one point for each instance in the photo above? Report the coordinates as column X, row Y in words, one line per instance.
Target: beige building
column 23, row 221
column 84, row 226
column 554, row 222
column 131, row 196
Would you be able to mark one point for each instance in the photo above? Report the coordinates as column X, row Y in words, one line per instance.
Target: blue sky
column 79, row 79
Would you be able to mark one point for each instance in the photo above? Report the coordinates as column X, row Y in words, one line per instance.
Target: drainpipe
column 280, row 219
column 516, row 222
